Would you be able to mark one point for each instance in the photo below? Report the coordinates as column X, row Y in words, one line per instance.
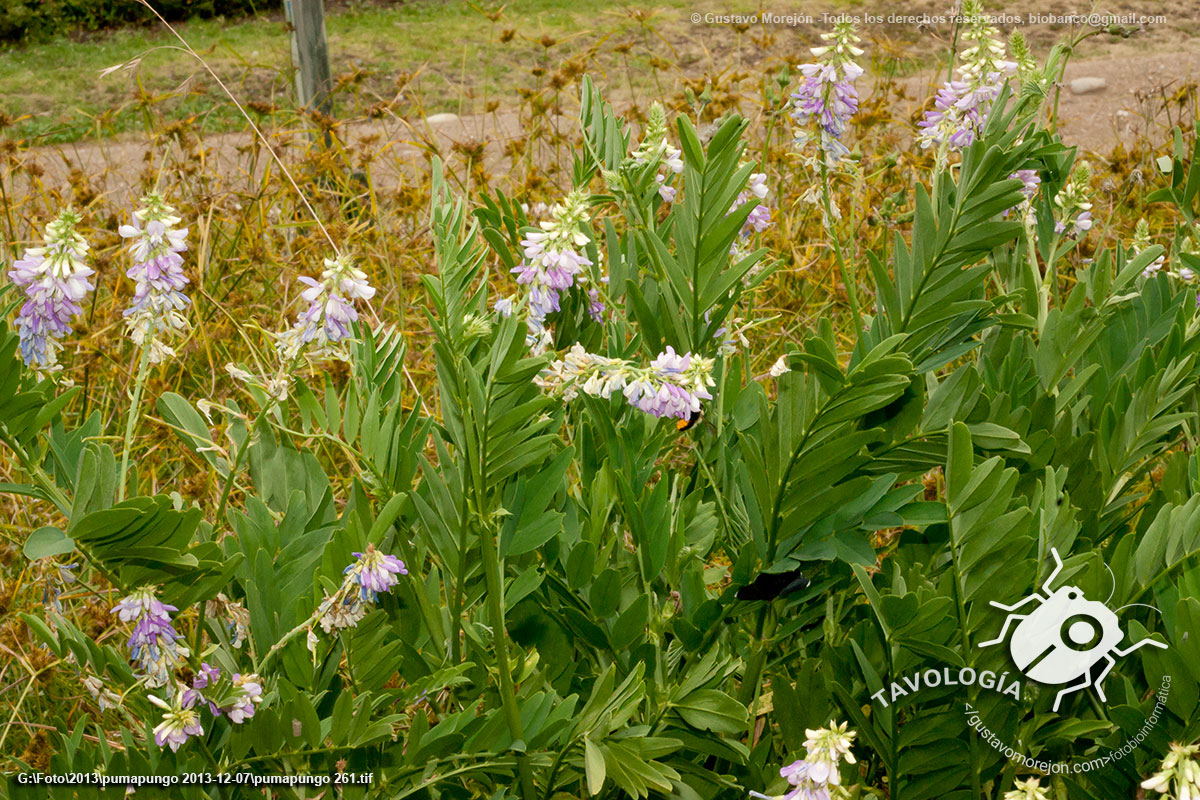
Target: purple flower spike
column 375, row 572
column 158, row 300
column 371, row 573
column 55, row 280
column 672, row 386
column 207, row 676
column 961, row 106
column 595, row 305
column 552, row 261
column 1073, row 203
column 329, row 319
column 817, row 776
column 154, row 642
column 827, row 96
column 243, row 707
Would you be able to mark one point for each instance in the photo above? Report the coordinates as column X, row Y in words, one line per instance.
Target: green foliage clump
column 22, row 20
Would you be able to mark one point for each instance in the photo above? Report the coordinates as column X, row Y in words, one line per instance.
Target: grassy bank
column 456, row 56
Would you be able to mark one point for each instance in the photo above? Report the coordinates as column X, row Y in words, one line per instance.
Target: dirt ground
column 1136, row 85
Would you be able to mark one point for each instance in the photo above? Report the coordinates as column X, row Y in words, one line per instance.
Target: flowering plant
column 607, row 543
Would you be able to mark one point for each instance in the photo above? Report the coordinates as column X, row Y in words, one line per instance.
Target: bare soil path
column 1136, row 87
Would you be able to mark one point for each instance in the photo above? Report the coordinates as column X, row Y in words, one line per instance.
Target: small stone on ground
column 1087, row 85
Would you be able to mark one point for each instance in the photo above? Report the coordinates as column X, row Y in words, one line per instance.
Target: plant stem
column 939, row 164
column 236, row 467
column 1051, row 278
column 198, row 636
column 757, row 662
column 135, row 402
column 954, row 44
column 43, row 481
column 238, row 460
column 963, row 621
column 1035, row 279
column 287, row 637
column 477, row 463
column 508, row 697
column 851, row 291
column 456, row 607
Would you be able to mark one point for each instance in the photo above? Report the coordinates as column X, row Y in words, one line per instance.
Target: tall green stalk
column 135, row 409
column 835, row 239
column 508, row 696
column 476, row 464
column 963, row 621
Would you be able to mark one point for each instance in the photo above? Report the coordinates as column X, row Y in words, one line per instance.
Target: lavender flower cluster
column 760, row 216
column 673, row 160
column 672, row 386
column 1185, row 246
column 322, row 330
column 961, row 106
column 55, row 279
column 154, row 644
column 827, row 95
column 371, row 573
column 155, row 647
column 328, row 322
column 1141, row 241
column 235, row 699
column 553, row 257
column 157, row 272
column 655, row 149
column 1030, row 182
column 817, row 775
column 552, row 260
column 1074, row 208
column 179, row 720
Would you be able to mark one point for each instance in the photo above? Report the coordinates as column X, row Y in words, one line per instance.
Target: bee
column 682, row 425
column 769, row 585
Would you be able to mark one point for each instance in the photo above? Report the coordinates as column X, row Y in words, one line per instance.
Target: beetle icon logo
column 1061, row 640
